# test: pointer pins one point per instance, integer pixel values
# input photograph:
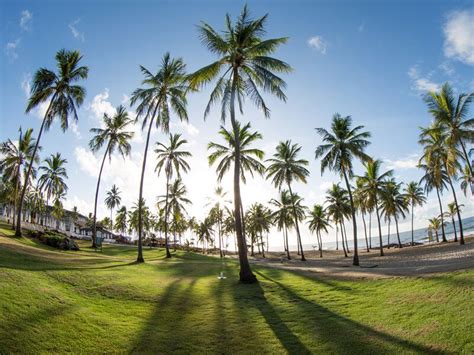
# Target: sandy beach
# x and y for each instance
(407, 261)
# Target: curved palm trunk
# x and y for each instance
(398, 234)
(168, 254)
(442, 218)
(345, 237)
(140, 194)
(454, 227)
(461, 232)
(246, 275)
(15, 204)
(28, 173)
(380, 227)
(466, 157)
(287, 246)
(412, 229)
(296, 224)
(94, 221)
(342, 240)
(355, 260)
(365, 233)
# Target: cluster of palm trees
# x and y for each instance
(244, 68)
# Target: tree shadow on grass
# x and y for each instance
(338, 333)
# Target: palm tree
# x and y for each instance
(112, 200)
(133, 218)
(362, 204)
(243, 68)
(164, 91)
(414, 196)
(115, 137)
(121, 220)
(64, 98)
(465, 179)
(451, 114)
(434, 225)
(218, 201)
(204, 232)
(285, 168)
(175, 198)
(452, 211)
(13, 162)
(258, 218)
(339, 148)
(393, 204)
(372, 184)
(318, 222)
(442, 155)
(338, 207)
(51, 182)
(282, 216)
(172, 159)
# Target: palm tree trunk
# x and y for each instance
(342, 240)
(111, 221)
(441, 215)
(398, 234)
(466, 157)
(168, 254)
(412, 229)
(337, 242)
(220, 240)
(380, 228)
(320, 242)
(388, 235)
(296, 224)
(365, 233)
(345, 237)
(370, 230)
(287, 246)
(94, 220)
(454, 227)
(263, 246)
(461, 232)
(17, 187)
(30, 166)
(355, 260)
(246, 275)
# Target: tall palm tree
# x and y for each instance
(121, 224)
(373, 182)
(338, 207)
(52, 180)
(64, 98)
(258, 219)
(172, 159)
(204, 232)
(285, 168)
(114, 136)
(465, 179)
(393, 204)
(113, 200)
(452, 211)
(164, 91)
(451, 113)
(13, 162)
(440, 153)
(435, 224)
(244, 67)
(218, 201)
(362, 204)
(339, 148)
(133, 219)
(282, 216)
(414, 196)
(318, 222)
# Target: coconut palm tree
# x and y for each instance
(13, 162)
(113, 200)
(114, 136)
(452, 114)
(282, 216)
(362, 204)
(64, 97)
(318, 222)
(204, 233)
(285, 168)
(452, 211)
(338, 208)
(393, 204)
(339, 148)
(258, 219)
(244, 67)
(163, 92)
(435, 224)
(133, 218)
(121, 224)
(414, 196)
(465, 179)
(52, 180)
(372, 184)
(175, 199)
(171, 159)
(442, 155)
(218, 201)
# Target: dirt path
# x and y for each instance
(408, 261)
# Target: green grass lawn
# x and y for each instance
(52, 301)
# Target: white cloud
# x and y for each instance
(75, 32)
(447, 68)
(125, 99)
(408, 162)
(11, 47)
(100, 105)
(84, 207)
(189, 128)
(41, 110)
(25, 20)
(459, 36)
(75, 129)
(25, 84)
(318, 43)
(421, 84)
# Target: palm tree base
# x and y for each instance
(140, 259)
(248, 278)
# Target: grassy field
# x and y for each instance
(52, 301)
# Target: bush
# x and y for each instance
(55, 240)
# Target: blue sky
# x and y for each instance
(368, 59)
